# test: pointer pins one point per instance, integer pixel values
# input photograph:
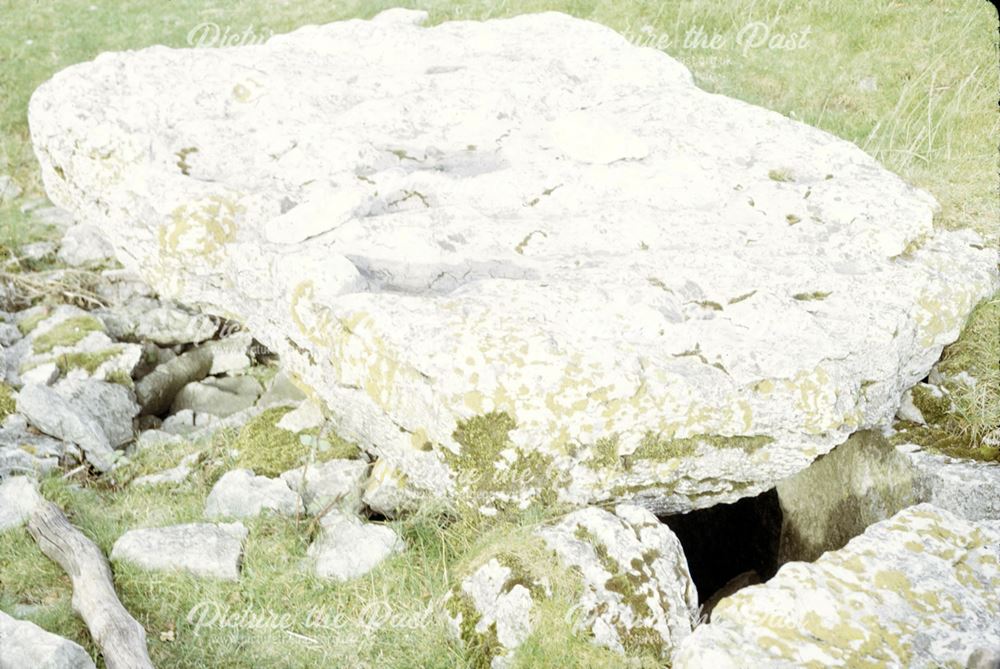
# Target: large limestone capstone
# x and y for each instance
(643, 290)
(916, 590)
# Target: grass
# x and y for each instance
(926, 110)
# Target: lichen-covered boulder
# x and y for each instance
(631, 589)
(916, 590)
(653, 292)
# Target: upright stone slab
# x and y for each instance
(916, 590)
(647, 291)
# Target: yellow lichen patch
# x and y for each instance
(200, 227)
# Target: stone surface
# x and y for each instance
(25, 645)
(341, 482)
(916, 590)
(94, 415)
(529, 217)
(968, 488)
(240, 494)
(85, 245)
(18, 497)
(201, 549)
(348, 547)
(156, 391)
(861, 482)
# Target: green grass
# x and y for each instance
(931, 118)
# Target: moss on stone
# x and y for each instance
(270, 450)
(811, 297)
(67, 333)
(89, 362)
(121, 377)
(8, 404)
(487, 476)
(26, 325)
(933, 407)
(605, 453)
(780, 175)
(656, 447)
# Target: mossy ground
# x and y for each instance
(966, 421)
(270, 450)
(931, 117)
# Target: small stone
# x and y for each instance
(347, 547)
(95, 415)
(281, 391)
(201, 549)
(174, 475)
(868, 85)
(25, 645)
(157, 389)
(9, 190)
(8, 334)
(187, 422)
(84, 245)
(386, 492)
(156, 438)
(306, 416)
(18, 498)
(231, 354)
(44, 374)
(908, 411)
(219, 397)
(320, 484)
(968, 488)
(240, 494)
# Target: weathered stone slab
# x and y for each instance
(969, 488)
(201, 549)
(240, 494)
(668, 296)
(18, 497)
(916, 590)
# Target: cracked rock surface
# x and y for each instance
(675, 298)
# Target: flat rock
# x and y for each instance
(18, 497)
(240, 494)
(674, 297)
(348, 547)
(24, 644)
(169, 325)
(201, 549)
(339, 482)
(916, 590)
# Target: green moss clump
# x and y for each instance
(605, 453)
(655, 447)
(71, 331)
(780, 176)
(8, 404)
(487, 476)
(26, 325)
(933, 407)
(270, 450)
(809, 297)
(121, 377)
(88, 362)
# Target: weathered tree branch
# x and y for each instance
(120, 637)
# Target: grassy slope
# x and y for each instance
(931, 118)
